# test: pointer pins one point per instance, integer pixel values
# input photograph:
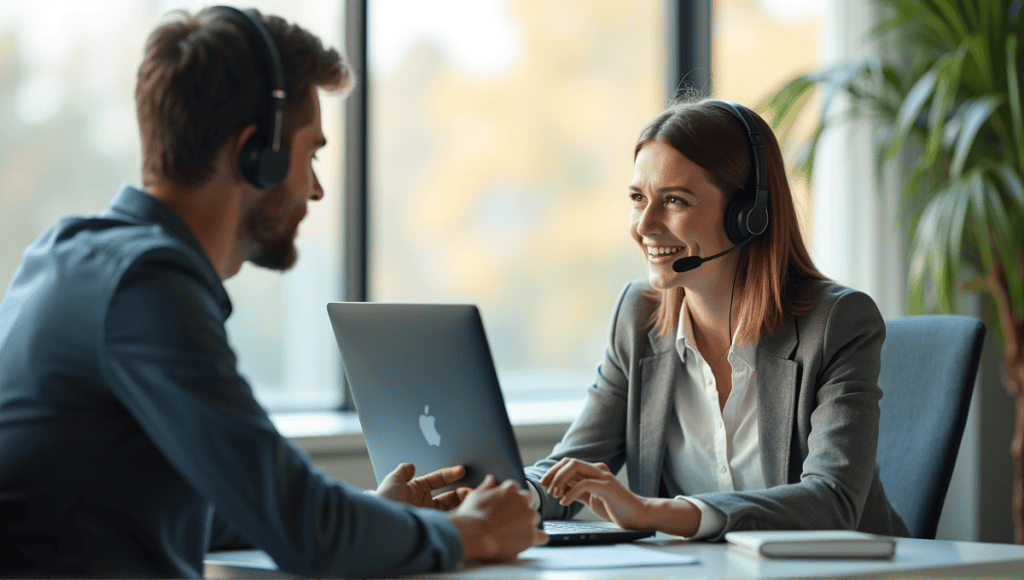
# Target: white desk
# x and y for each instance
(923, 558)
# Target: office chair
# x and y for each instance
(929, 364)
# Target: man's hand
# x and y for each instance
(399, 485)
(496, 522)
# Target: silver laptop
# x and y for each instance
(424, 385)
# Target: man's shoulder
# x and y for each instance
(80, 261)
(108, 244)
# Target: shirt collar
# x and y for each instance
(143, 207)
(743, 352)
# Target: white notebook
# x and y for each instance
(811, 544)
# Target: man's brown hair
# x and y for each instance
(201, 82)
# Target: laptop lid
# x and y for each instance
(425, 388)
(427, 393)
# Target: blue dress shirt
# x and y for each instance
(125, 425)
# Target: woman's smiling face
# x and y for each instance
(677, 212)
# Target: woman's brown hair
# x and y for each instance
(200, 82)
(776, 265)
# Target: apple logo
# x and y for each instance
(429, 431)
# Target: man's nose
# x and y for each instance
(318, 191)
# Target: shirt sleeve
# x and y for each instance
(534, 494)
(168, 360)
(711, 520)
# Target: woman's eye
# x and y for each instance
(677, 200)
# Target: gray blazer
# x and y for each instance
(817, 417)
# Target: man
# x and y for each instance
(125, 428)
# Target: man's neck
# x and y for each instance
(213, 211)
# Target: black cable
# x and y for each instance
(732, 291)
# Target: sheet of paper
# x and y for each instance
(609, 556)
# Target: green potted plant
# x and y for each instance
(945, 91)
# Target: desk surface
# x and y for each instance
(929, 558)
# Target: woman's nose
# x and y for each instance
(650, 222)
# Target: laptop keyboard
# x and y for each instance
(563, 526)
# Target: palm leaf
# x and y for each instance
(911, 109)
(1007, 195)
(930, 253)
(928, 20)
(981, 226)
(974, 116)
(956, 21)
(1012, 183)
(947, 83)
(978, 75)
(1013, 95)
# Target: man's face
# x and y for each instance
(270, 227)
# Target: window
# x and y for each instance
(501, 139)
(70, 139)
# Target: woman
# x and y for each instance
(741, 392)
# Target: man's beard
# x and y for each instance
(269, 233)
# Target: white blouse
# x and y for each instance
(709, 448)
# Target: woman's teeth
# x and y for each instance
(663, 250)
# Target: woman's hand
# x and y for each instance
(399, 485)
(596, 486)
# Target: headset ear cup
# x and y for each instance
(735, 219)
(261, 166)
(273, 167)
(249, 160)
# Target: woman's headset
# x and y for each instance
(746, 215)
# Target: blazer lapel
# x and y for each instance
(776, 380)
(659, 373)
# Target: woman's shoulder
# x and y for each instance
(634, 311)
(836, 303)
(826, 294)
(638, 298)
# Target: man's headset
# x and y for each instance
(746, 216)
(263, 162)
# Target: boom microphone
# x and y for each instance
(690, 262)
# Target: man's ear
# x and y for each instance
(235, 145)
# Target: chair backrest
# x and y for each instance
(929, 364)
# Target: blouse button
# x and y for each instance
(721, 469)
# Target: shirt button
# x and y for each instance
(721, 469)
(719, 424)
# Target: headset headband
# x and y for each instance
(756, 220)
(259, 36)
